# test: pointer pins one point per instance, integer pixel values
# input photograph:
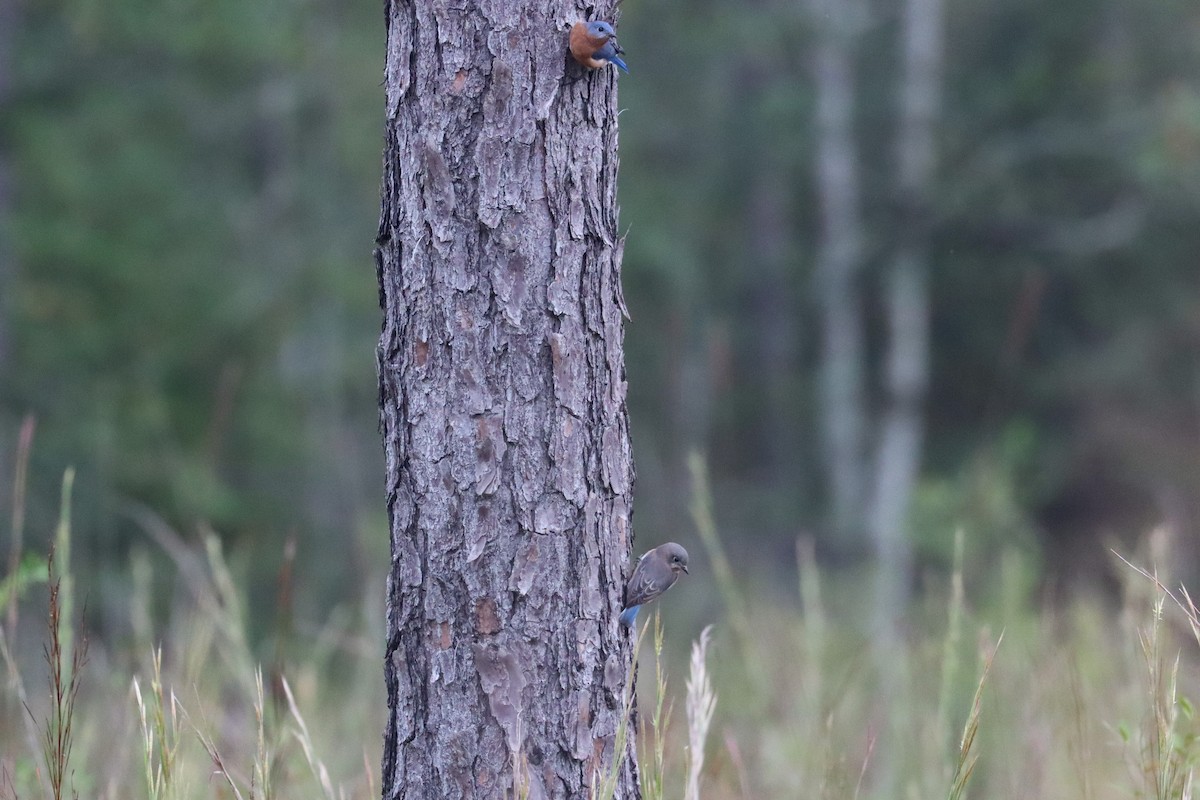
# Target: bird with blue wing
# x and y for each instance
(656, 571)
(594, 44)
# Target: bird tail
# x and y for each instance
(628, 616)
(620, 62)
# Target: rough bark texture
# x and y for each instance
(502, 402)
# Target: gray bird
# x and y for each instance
(656, 571)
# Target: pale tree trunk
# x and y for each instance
(502, 404)
(906, 367)
(906, 295)
(9, 19)
(839, 264)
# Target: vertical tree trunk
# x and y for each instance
(906, 367)
(9, 19)
(839, 264)
(906, 296)
(502, 405)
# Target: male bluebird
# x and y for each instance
(656, 571)
(594, 44)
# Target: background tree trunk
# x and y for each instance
(906, 296)
(839, 264)
(9, 19)
(502, 404)
(906, 360)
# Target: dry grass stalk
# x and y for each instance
(701, 703)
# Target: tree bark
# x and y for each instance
(502, 407)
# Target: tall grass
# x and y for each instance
(185, 711)
(701, 705)
(1167, 748)
(968, 756)
(161, 733)
(193, 711)
(65, 668)
(653, 750)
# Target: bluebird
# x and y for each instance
(656, 571)
(594, 44)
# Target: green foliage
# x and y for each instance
(986, 504)
(31, 571)
(193, 309)
(1062, 285)
(193, 314)
(194, 185)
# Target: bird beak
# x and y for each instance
(685, 569)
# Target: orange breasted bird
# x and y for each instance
(594, 44)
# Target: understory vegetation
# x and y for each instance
(1083, 699)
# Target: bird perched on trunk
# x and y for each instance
(656, 571)
(594, 44)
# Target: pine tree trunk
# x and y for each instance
(502, 405)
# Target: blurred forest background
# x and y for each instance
(188, 311)
(892, 276)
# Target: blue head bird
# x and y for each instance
(594, 44)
